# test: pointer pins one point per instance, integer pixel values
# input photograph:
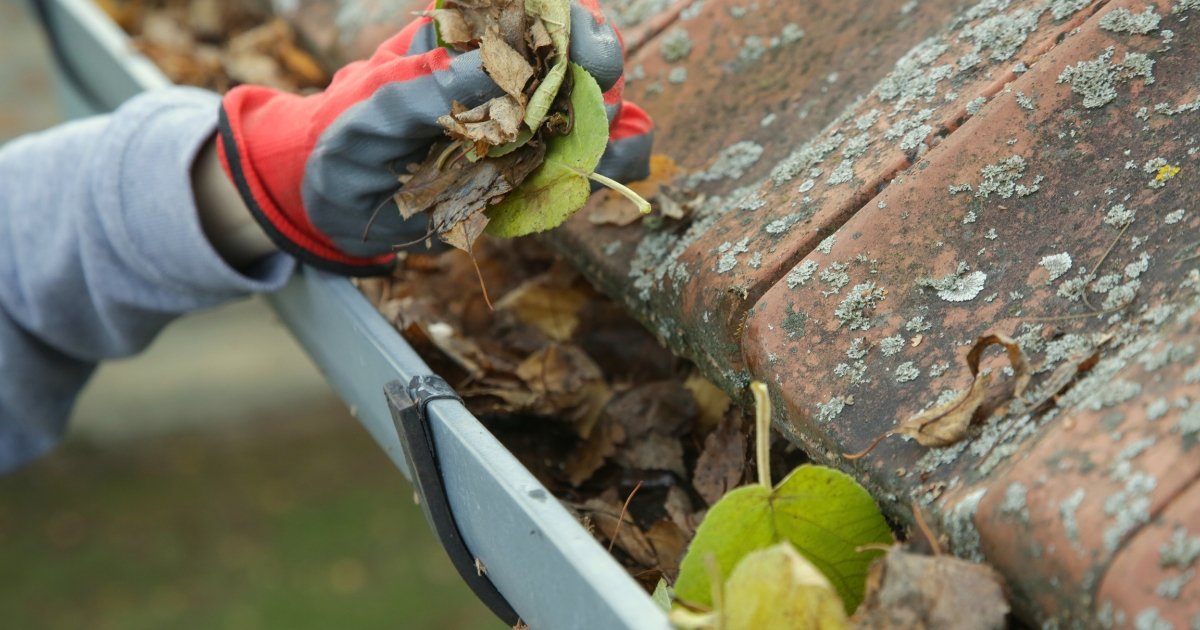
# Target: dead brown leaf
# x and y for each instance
(593, 453)
(632, 540)
(722, 463)
(507, 67)
(569, 385)
(653, 451)
(551, 308)
(669, 542)
(453, 28)
(493, 123)
(947, 424)
(906, 590)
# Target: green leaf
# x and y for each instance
(824, 513)
(778, 589)
(662, 595)
(560, 185)
(556, 15)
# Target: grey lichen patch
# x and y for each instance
(827, 411)
(912, 78)
(791, 34)
(1150, 619)
(677, 75)
(1003, 34)
(1025, 101)
(858, 348)
(805, 158)
(891, 345)
(732, 163)
(1129, 508)
(676, 45)
(1157, 408)
(842, 173)
(1180, 551)
(1174, 216)
(853, 310)
(1067, 510)
(1122, 20)
(784, 223)
(906, 372)
(855, 372)
(1171, 587)
(1063, 9)
(826, 244)
(917, 324)
(836, 277)
(1097, 80)
(960, 527)
(1188, 426)
(976, 104)
(729, 252)
(961, 286)
(801, 274)
(753, 48)
(1056, 265)
(1002, 178)
(1015, 502)
(1186, 5)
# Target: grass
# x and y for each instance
(306, 525)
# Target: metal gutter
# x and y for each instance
(551, 570)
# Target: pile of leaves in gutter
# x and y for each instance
(217, 44)
(610, 421)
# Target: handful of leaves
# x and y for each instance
(521, 162)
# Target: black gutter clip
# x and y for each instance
(408, 405)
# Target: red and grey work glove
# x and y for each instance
(314, 169)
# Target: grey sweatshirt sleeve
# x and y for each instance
(101, 247)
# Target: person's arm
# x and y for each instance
(102, 245)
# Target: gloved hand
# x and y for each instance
(314, 169)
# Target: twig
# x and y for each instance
(870, 447)
(1096, 269)
(1108, 311)
(621, 517)
(919, 519)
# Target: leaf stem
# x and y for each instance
(643, 206)
(762, 431)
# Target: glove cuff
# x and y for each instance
(273, 197)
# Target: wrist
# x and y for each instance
(233, 233)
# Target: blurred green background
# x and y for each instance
(215, 481)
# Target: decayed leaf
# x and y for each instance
(554, 310)
(906, 590)
(569, 383)
(507, 67)
(629, 537)
(722, 462)
(824, 513)
(560, 185)
(653, 451)
(453, 28)
(556, 16)
(948, 423)
(493, 123)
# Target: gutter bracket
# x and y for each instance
(409, 407)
